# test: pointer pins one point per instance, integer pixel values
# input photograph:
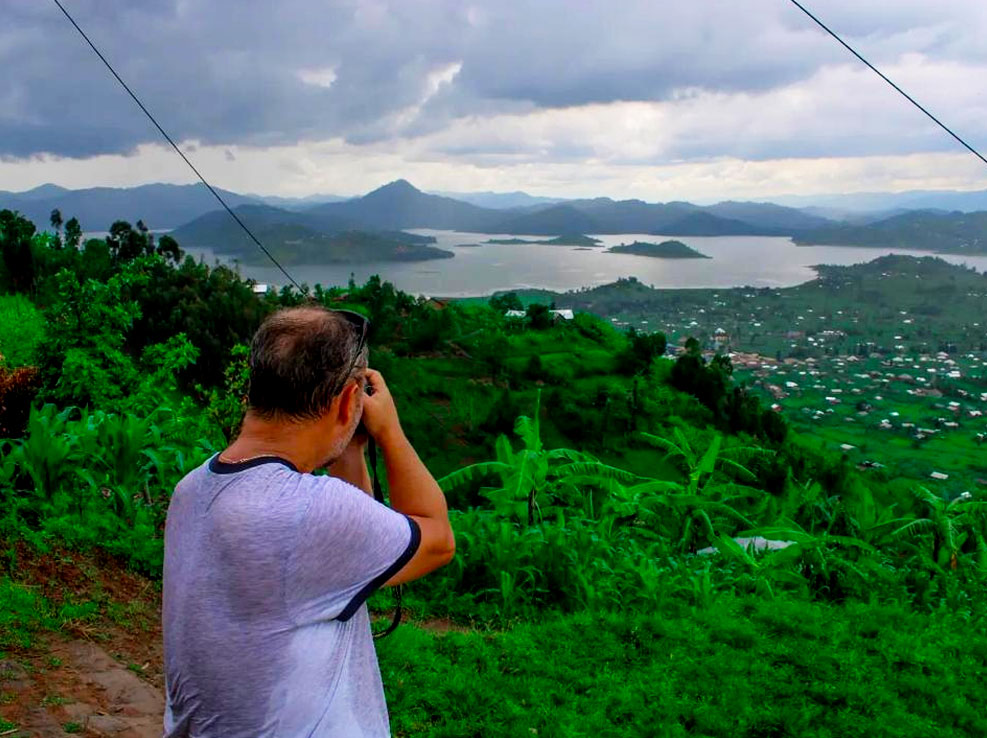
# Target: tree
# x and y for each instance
(704, 501)
(506, 301)
(539, 316)
(169, 249)
(73, 233)
(126, 243)
(947, 524)
(82, 361)
(147, 236)
(642, 350)
(56, 223)
(17, 251)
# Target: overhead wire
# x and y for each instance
(377, 491)
(181, 153)
(880, 74)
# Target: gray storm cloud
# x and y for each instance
(252, 72)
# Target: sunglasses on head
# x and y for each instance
(361, 324)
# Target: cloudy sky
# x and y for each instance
(660, 100)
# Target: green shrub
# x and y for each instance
(21, 330)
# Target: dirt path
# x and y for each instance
(101, 676)
(77, 688)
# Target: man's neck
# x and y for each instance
(301, 443)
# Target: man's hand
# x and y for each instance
(380, 416)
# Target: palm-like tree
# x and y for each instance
(705, 501)
(534, 471)
(700, 466)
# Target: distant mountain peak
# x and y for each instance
(42, 191)
(398, 186)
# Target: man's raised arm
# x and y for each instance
(413, 489)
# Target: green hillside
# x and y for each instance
(947, 233)
(898, 345)
(300, 238)
(596, 484)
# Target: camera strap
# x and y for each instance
(379, 496)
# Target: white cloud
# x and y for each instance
(321, 77)
(641, 99)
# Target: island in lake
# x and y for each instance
(557, 241)
(292, 245)
(298, 238)
(663, 250)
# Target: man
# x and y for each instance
(268, 567)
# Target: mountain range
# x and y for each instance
(400, 205)
(160, 206)
(874, 205)
(395, 207)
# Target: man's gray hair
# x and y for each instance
(298, 359)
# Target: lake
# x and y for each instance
(737, 261)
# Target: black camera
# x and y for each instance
(369, 389)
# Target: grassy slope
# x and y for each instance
(735, 668)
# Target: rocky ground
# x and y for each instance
(97, 674)
(78, 687)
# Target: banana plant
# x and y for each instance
(766, 572)
(824, 559)
(868, 520)
(946, 524)
(698, 506)
(714, 458)
(533, 471)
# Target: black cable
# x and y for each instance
(882, 76)
(378, 492)
(175, 146)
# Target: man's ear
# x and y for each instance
(349, 403)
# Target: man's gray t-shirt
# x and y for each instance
(266, 574)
